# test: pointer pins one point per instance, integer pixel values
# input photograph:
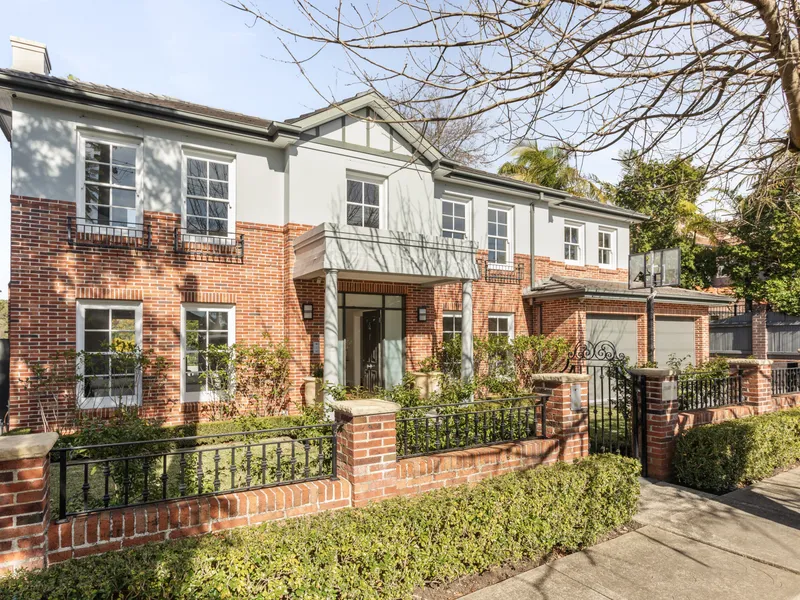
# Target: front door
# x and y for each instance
(371, 350)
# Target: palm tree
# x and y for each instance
(550, 167)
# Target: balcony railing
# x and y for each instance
(82, 232)
(198, 244)
(511, 273)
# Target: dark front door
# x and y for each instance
(371, 350)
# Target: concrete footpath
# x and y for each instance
(692, 545)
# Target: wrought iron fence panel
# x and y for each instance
(699, 391)
(785, 381)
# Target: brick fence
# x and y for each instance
(368, 471)
(665, 420)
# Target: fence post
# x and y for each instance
(567, 411)
(756, 383)
(758, 332)
(661, 413)
(24, 500)
(366, 449)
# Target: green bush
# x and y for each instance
(724, 456)
(385, 550)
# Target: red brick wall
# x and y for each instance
(545, 267)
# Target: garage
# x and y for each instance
(674, 336)
(620, 330)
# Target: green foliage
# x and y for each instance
(385, 550)
(669, 193)
(3, 319)
(723, 456)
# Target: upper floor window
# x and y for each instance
(451, 325)
(363, 203)
(110, 182)
(573, 242)
(454, 219)
(209, 197)
(499, 235)
(606, 254)
(203, 327)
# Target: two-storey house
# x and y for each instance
(342, 231)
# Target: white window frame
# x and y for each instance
(450, 314)
(509, 210)
(107, 401)
(581, 242)
(203, 396)
(467, 204)
(612, 236)
(509, 317)
(117, 139)
(200, 153)
(375, 180)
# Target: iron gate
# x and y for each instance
(616, 400)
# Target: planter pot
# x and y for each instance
(427, 383)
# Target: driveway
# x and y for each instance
(692, 545)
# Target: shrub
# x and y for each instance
(723, 456)
(385, 550)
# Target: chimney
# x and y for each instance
(29, 56)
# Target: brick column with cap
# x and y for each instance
(367, 451)
(24, 500)
(756, 383)
(567, 411)
(662, 419)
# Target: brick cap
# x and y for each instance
(33, 445)
(561, 377)
(749, 362)
(363, 408)
(652, 372)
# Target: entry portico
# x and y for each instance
(371, 328)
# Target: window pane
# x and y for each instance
(354, 191)
(371, 217)
(98, 151)
(96, 318)
(371, 194)
(354, 215)
(123, 176)
(218, 171)
(218, 189)
(96, 364)
(196, 225)
(95, 341)
(218, 338)
(123, 319)
(364, 300)
(217, 227)
(447, 222)
(96, 194)
(124, 198)
(98, 172)
(447, 208)
(196, 187)
(460, 224)
(197, 168)
(218, 319)
(218, 210)
(502, 231)
(492, 228)
(197, 207)
(460, 210)
(394, 302)
(124, 156)
(126, 337)
(97, 387)
(123, 217)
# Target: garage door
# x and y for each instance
(674, 335)
(618, 329)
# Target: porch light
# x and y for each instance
(308, 312)
(422, 314)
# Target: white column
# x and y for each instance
(330, 369)
(467, 365)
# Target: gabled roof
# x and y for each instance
(560, 286)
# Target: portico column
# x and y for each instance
(330, 369)
(467, 365)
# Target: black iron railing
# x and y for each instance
(511, 273)
(785, 381)
(100, 477)
(198, 244)
(429, 429)
(700, 391)
(113, 234)
(737, 309)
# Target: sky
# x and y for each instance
(198, 50)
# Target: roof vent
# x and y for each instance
(29, 56)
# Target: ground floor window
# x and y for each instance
(451, 325)
(202, 328)
(108, 333)
(501, 325)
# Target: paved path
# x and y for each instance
(695, 546)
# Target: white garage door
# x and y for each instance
(674, 335)
(618, 329)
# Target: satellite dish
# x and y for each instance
(658, 268)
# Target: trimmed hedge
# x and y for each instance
(721, 457)
(382, 551)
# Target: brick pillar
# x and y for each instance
(24, 500)
(568, 423)
(662, 420)
(366, 451)
(756, 383)
(758, 332)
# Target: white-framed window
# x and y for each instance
(209, 194)
(451, 324)
(364, 203)
(573, 243)
(202, 326)
(500, 242)
(109, 180)
(107, 334)
(607, 248)
(501, 325)
(455, 219)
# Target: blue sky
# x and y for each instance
(198, 50)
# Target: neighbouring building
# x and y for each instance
(341, 231)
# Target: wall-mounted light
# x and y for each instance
(422, 314)
(308, 312)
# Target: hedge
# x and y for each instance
(384, 550)
(721, 457)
